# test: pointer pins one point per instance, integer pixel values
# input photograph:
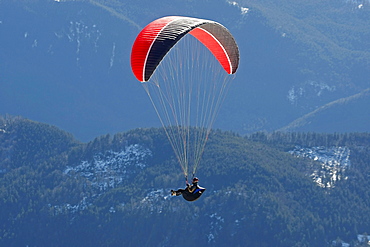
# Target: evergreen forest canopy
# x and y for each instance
(114, 190)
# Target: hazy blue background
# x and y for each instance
(304, 64)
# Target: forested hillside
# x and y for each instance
(114, 190)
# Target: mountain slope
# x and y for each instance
(67, 62)
(113, 190)
(338, 115)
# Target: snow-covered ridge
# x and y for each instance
(333, 161)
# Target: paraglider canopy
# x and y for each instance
(158, 37)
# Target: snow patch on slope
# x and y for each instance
(332, 163)
(215, 227)
(105, 171)
(358, 4)
(154, 200)
(110, 169)
(81, 35)
(309, 89)
(243, 10)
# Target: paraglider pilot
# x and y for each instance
(191, 192)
